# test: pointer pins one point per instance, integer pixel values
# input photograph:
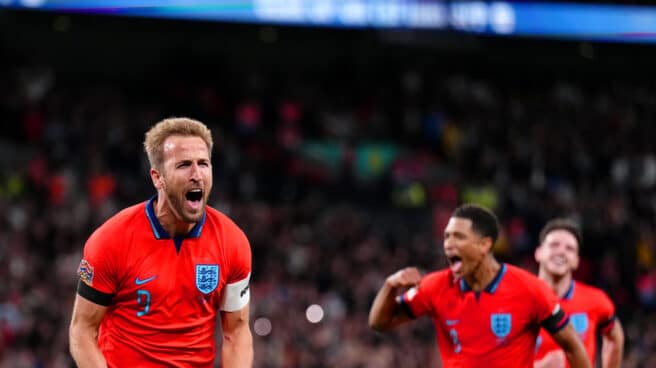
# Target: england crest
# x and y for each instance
(501, 324)
(579, 321)
(207, 278)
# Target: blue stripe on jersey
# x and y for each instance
(158, 229)
(497, 279)
(195, 231)
(492, 287)
(570, 292)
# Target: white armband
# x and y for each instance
(236, 295)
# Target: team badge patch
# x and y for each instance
(501, 323)
(86, 272)
(579, 322)
(207, 278)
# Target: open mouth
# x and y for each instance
(454, 259)
(194, 197)
(455, 263)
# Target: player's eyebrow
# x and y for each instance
(189, 161)
(456, 233)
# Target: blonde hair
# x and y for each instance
(155, 137)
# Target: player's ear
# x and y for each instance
(487, 244)
(156, 177)
(577, 260)
(537, 252)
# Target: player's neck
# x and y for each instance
(559, 284)
(484, 274)
(168, 219)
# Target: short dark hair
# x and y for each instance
(484, 221)
(562, 223)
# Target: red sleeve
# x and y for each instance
(546, 307)
(239, 254)
(606, 312)
(417, 300)
(236, 293)
(99, 266)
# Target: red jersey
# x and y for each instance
(590, 310)
(163, 293)
(496, 328)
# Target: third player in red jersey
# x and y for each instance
(591, 311)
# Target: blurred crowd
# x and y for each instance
(338, 180)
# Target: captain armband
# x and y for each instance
(236, 295)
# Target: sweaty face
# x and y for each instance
(463, 247)
(559, 252)
(187, 176)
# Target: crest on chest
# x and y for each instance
(207, 277)
(501, 324)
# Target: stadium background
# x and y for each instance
(340, 152)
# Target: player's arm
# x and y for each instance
(83, 333)
(386, 311)
(237, 351)
(553, 359)
(612, 346)
(569, 341)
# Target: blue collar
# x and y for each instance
(570, 292)
(492, 287)
(159, 231)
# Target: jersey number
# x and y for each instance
(143, 298)
(456, 342)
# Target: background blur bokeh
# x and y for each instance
(341, 153)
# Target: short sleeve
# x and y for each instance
(237, 293)
(97, 269)
(547, 310)
(416, 301)
(606, 312)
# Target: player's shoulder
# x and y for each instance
(588, 291)
(438, 279)
(216, 215)
(522, 278)
(122, 221)
(117, 226)
(219, 218)
(221, 222)
(587, 288)
(514, 271)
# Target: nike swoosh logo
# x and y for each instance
(141, 282)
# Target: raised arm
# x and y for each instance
(386, 312)
(83, 333)
(573, 347)
(237, 351)
(612, 346)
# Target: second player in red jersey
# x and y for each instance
(591, 311)
(485, 313)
